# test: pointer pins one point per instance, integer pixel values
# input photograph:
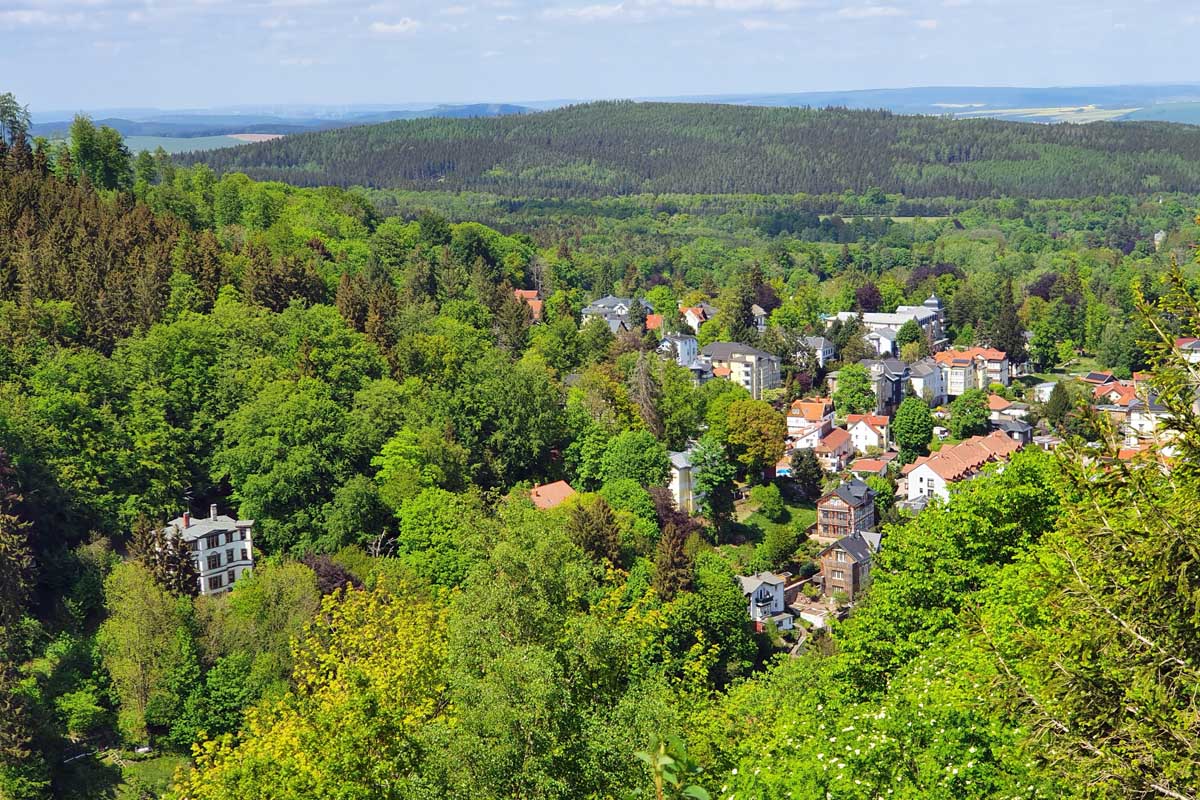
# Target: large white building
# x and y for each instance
(680, 482)
(746, 366)
(221, 546)
(929, 315)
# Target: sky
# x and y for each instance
(88, 54)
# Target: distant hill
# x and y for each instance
(195, 125)
(624, 147)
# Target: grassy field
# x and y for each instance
(174, 144)
(91, 778)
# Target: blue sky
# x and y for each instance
(68, 54)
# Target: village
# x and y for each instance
(856, 448)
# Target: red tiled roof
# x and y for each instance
(526, 294)
(958, 461)
(872, 465)
(811, 410)
(1118, 394)
(997, 403)
(838, 437)
(875, 422)
(696, 311)
(721, 372)
(653, 322)
(549, 495)
(986, 353)
(530, 296)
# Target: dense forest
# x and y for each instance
(606, 149)
(351, 369)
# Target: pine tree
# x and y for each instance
(672, 566)
(645, 392)
(166, 557)
(1008, 334)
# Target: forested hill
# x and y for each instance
(625, 147)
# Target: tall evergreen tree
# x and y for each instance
(1008, 334)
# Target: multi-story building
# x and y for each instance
(809, 421)
(975, 368)
(749, 367)
(823, 348)
(928, 381)
(869, 431)
(931, 476)
(614, 311)
(221, 546)
(930, 315)
(846, 564)
(848, 509)
(680, 481)
(764, 593)
(682, 348)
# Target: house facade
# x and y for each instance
(765, 600)
(846, 565)
(221, 546)
(808, 421)
(749, 367)
(683, 348)
(850, 508)
(930, 315)
(835, 450)
(889, 376)
(931, 476)
(825, 352)
(680, 481)
(974, 368)
(928, 381)
(869, 431)
(614, 311)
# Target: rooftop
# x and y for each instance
(550, 495)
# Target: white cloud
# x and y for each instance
(927, 24)
(507, 18)
(763, 25)
(871, 12)
(400, 27)
(30, 16)
(454, 11)
(591, 13)
(491, 54)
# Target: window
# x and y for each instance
(214, 561)
(232, 577)
(229, 556)
(838, 575)
(841, 555)
(243, 554)
(215, 582)
(241, 534)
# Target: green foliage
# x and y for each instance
(912, 429)
(637, 456)
(969, 414)
(755, 435)
(769, 501)
(855, 391)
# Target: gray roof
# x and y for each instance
(199, 528)
(1014, 426)
(725, 351)
(855, 492)
(751, 583)
(609, 302)
(681, 460)
(923, 368)
(855, 545)
(818, 343)
(893, 367)
(883, 333)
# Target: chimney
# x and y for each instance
(187, 520)
(212, 511)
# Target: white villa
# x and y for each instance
(221, 546)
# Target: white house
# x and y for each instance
(808, 421)
(749, 367)
(928, 381)
(883, 342)
(221, 546)
(929, 315)
(680, 483)
(823, 348)
(931, 476)
(684, 348)
(764, 594)
(974, 368)
(867, 431)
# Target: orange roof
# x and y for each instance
(1130, 453)
(549, 495)
(1119, 394)
(526, 294)
(868, 465)
(721, 372)
(838, 437)
(1138, 377)
(961, 460)
(696, 311)
(971, 353)
(811, 410)
(530, 296)
(653, 322)
(878, 420)
(997, 403)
